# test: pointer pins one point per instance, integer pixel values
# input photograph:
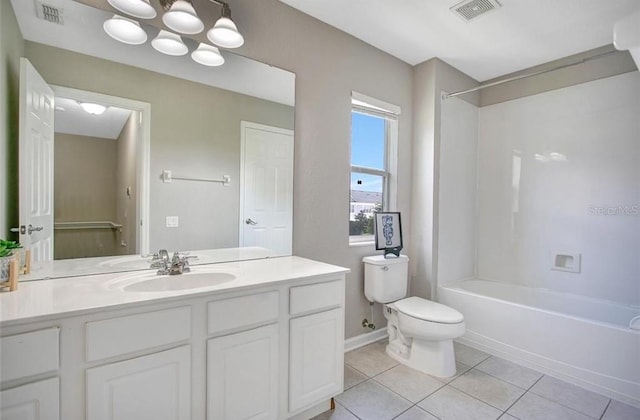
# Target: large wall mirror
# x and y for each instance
(185, 157)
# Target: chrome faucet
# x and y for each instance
(179, 264)
(160, 260)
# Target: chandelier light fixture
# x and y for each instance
(179, 16)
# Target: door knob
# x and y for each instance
(32, 229)
(250, 222)
(21, 230)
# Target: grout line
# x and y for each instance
(523, 394)
(571, 408)
(606, 408)
(354, 414)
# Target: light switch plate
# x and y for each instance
(173, 221)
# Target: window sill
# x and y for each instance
(364, 240)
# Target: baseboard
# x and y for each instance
(364, 339)
(605, 385)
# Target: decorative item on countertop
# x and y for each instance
(388, 232)
(9, 264)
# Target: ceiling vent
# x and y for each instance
(471, 9)
(49, 13)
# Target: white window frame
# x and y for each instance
(371, 106)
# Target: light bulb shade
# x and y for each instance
(136, 8)
(125, 30)
(93, 109)
(182, 18)
(207, 55)
(169, 43)
(225, 34)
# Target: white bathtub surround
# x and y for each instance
(272, 326)
(583, 341)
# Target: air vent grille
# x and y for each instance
(471, 9)
(49, 13)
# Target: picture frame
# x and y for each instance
(388, 232)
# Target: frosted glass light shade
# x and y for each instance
(207, 55)
(93, 109)
(182, 18)
(136, 8)
(125, 30)
(225, 34)
(169, 43)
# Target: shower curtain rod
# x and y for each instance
(524, 76)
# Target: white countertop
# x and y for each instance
(41, 299)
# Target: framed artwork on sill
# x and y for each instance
(388, 232)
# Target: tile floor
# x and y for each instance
(485, 387)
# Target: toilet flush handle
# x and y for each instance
(385, 268)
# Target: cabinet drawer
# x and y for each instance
(30, 353)
(118, 336)
(243, 311)
(316, 296)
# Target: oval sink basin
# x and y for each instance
(130, 262)
(151, 282)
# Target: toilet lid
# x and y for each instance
(427, 310)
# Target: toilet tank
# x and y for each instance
(385, 279)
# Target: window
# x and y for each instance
(374, 135)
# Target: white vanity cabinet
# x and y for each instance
(263, 351)
(25, 357)
(316, 343)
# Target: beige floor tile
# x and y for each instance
(621, 411)
(571, 396)
(416, 413)
(467, 355)
(509, 372)
(352, 377)
(488, 389)
(409, 383)
(370, 400)
(370, 360)
(461, 369)
(450, 404)
(340, 413)
(534, 407)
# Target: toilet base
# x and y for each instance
(435, 358)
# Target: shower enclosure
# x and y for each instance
(539, 229)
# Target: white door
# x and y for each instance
(34, 401)
(242, 375)
(266, 181)
(316, 356)
(36, 163)
(153, 387)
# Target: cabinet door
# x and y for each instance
(242, 375)
(35, 401)
(316, 358)
(153, 387)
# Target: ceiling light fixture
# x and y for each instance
(93, 109)
(136, 8)
(207, 55)
(180, 16)
(125, 30)
(169, 43)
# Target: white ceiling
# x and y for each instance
(521, 34)
(70, 118)
(82, 32)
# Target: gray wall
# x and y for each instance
(195, 132)
(126, 192)
(85, 190)
(11, 49)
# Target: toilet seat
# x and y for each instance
(427, 310)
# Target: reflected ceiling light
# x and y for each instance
(182, 18)
(125, 30)
(93, 109)
(169, 43)
(207, 55)
(225, 33)
(136, 8)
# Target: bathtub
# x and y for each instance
(584, 341)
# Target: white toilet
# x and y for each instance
(421, 332)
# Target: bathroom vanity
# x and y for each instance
(259, 339)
